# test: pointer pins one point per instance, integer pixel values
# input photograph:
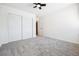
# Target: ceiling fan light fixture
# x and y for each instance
(39, 5)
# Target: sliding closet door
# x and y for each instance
(3, 26)
(14, 27)
(27, 27)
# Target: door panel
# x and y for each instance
(14, 23)
(27, 27)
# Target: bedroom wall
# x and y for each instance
(63, 24)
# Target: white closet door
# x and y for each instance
(27, 27)
(14, 25)
(3, 27)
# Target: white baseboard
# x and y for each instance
(75, 42)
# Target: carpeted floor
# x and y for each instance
(39, 46)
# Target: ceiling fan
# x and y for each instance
(39, 5)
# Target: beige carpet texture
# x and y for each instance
(39, 46)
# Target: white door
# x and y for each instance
(14, 25)
(3, 26)
(27, 27)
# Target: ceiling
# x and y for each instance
(50, 7)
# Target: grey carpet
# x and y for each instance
(39, 46)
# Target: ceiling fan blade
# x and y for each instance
(40, 8)
(34, 6)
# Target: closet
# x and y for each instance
(16, 25)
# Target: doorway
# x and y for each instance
(37, 28)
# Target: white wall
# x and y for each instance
(62, 24)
